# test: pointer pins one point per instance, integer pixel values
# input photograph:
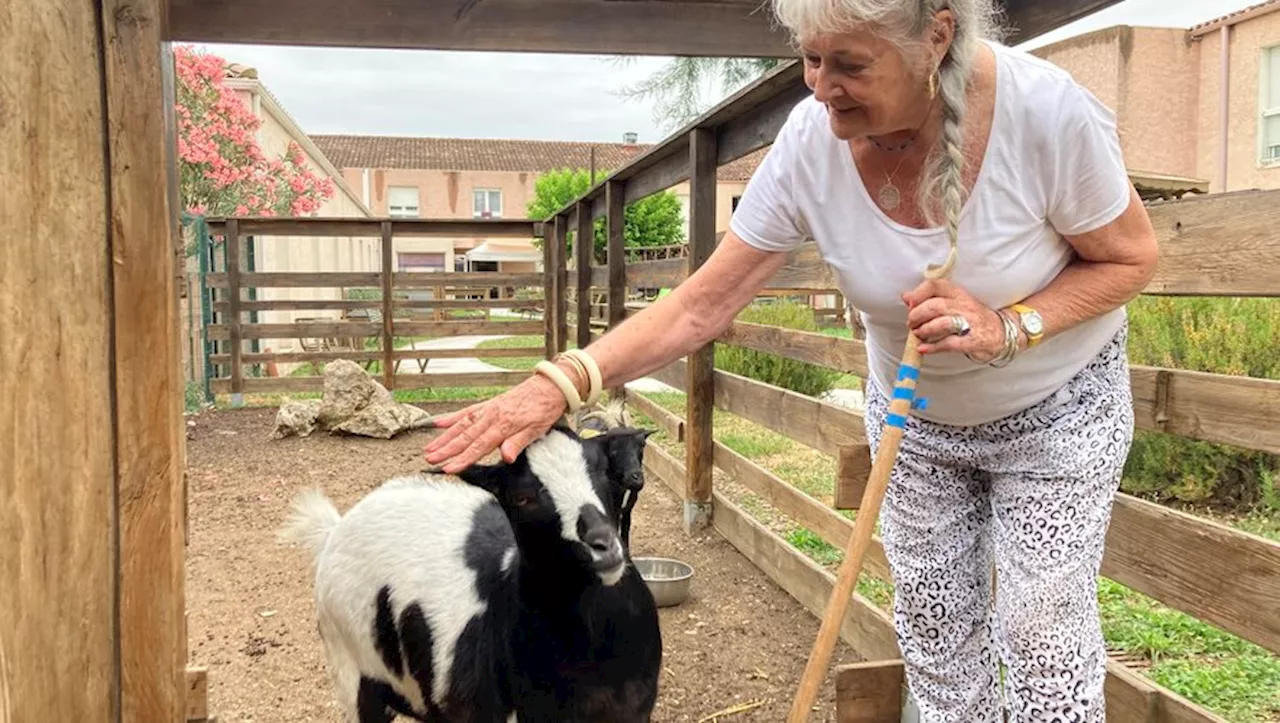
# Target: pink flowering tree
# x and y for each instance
(223, 171)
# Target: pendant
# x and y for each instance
(889, 196)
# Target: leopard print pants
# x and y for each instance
(1031, 492)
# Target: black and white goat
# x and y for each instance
(509, 597)
(626, 458)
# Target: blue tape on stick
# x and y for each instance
(896, 420)
(921, 403)
(906, 371)
(903, 393)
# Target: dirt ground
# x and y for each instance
(739, 639)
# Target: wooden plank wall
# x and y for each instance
(90, 429)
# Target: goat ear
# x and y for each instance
(644, 433)
(487, 477)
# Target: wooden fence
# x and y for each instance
(377, 308)
(1223, 245)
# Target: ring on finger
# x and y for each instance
(960, 325)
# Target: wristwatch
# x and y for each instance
(1031, 323)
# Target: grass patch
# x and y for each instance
(537, 348)
(1230, 676)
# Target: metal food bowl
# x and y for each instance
(667, 579)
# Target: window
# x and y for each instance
(1269, 131)
(486, 203)
(421, 262)
(402, 201)
(733, 203)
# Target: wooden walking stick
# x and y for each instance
(900, 406)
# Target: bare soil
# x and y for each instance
(739, 639)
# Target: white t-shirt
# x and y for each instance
(1053, 166)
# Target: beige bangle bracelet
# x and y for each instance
(595, 382)
(561, 380)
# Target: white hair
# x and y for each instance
(905, 24)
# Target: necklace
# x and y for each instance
(889, 194)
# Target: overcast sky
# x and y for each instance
(530, 96)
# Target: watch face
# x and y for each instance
(1032, 323)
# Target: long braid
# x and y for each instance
(945, 170)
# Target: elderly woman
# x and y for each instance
(922, 126)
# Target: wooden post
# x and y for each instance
(562, 284)
(870, 692)
(388, 311)
(852, 471)
(90, 374)
(700, 372)
(615, 215)
(232, 239)
(585, 252)
(150, 434)
(549, 286)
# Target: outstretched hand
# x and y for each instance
(509, 422)
(935, 303)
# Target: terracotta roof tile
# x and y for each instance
(475, 154)
(1252, 11)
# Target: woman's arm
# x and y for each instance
(696, 312)
(1115, 263)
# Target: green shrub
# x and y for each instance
(797, 376)
(1218, 335)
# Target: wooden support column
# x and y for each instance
(615, 215)
(91, 432)
(700, 372)
(584, 252)
(562, 284)
(549, 286)
(388, 310)
(232, 240)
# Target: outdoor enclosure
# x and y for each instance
(92, 431)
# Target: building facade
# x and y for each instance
(1197, 108)
(450, 178)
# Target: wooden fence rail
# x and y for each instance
(368, 331)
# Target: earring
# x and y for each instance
(933, 84)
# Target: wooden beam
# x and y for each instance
(276, 385)
(671, 27)
(372, 227)
(1030, 18)
(388, 313)
(870, 692)
(854, 468)
(477, 280)
(1212, 572)
(617, 279)
(197, 695)
(375, 355)
(148, 379)
(372, 280)
(549, 288)
(700, 371)
(234, 332)
(58, 559)
(1223, 244)
(561, 272)
(1221, 408)
(584, 252)
(820, 425)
